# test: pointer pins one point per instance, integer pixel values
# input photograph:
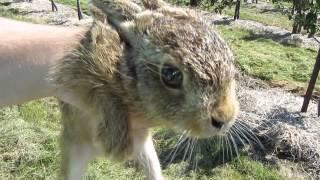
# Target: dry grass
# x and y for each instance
(274, 117)
(29, 149)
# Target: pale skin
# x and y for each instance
(27, 52)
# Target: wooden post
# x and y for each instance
(319, 108)
(311, 85)
(79, 10)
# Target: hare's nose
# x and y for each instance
(215, 123)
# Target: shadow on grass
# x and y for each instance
(208, 154)
(224, 21)
(5, 3)
(268, 11)
(284, 39)
(263, 35)
(287, 117)
(204, 155)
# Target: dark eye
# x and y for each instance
(171, 76)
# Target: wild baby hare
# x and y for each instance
(141, 67)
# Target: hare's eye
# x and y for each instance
(171, 76)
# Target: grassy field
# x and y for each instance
(263, 58)
(13, 14)
(263, 16)
(274, 17)
(72, 3)
(29, 149)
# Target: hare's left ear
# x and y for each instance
(167, 10)
(154, 4)
(97, 14)
(117, 11)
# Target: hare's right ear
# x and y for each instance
(117, 11)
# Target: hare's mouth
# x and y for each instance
(209, 128)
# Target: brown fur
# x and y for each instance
(115, 73)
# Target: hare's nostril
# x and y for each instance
(216, 123)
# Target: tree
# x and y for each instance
(217, 5)
(79, 10)
(304, 15)
(311, 23)
(194, 2)
(55, 8)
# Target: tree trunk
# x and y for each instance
(79, 10)
(237, 10)
(194, 3)
(299, 28)
(256, 1)
(299, 15)
(294, 28)
(312, 31)
(292, 10)
(53, 6)
(311, 85)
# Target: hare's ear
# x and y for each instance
(117, 11)
(97, 14)
(154, 4)
(120, 15)
(167, 10)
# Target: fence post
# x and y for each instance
(311, 85)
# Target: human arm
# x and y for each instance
(27, 51)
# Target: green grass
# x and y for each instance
(29, 149)
(251, 13)
(268, 60)
(83, 4)
(268, 18)
(14, 14)
(28, 141)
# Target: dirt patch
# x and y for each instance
(273, 32)
(41, 9)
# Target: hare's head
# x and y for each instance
(182, 71)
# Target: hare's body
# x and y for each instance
(163, 66)
(96, 118)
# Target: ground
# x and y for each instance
(29, 141)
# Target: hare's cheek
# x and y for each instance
(195, 128)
